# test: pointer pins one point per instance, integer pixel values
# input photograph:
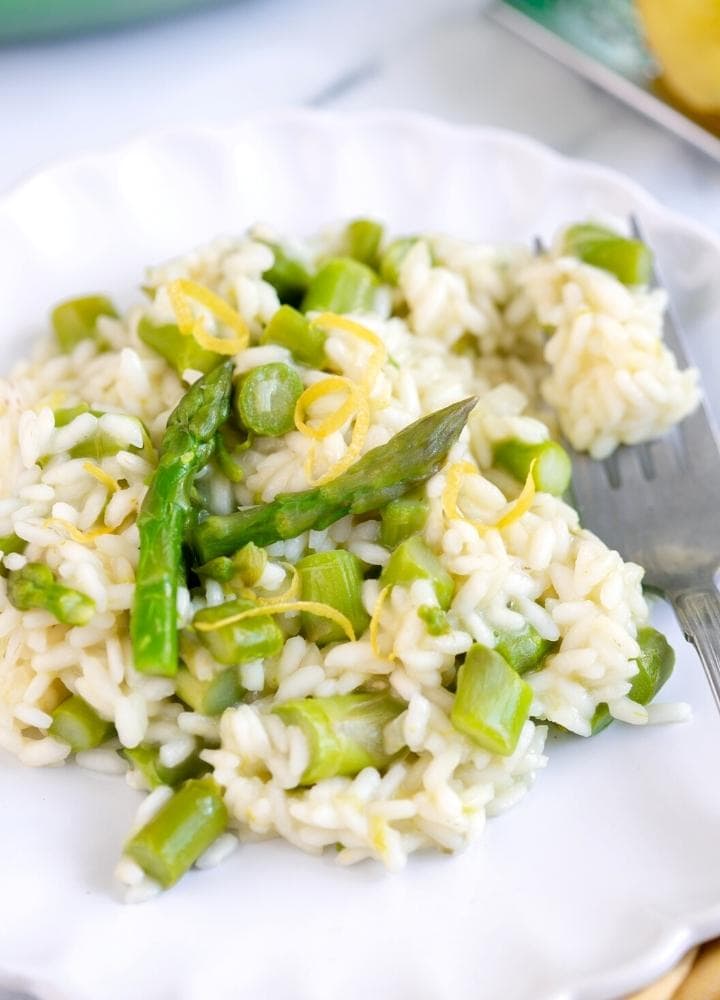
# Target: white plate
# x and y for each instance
(599, 879)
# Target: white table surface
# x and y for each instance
(58, 99)
(440, 56)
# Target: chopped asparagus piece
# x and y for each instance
(102, 445)
(655, 665)
(292, 330)
(146, 759)
(78, 724)
(288, 275)
(363, 238)
(333, 578)
(413, 560)
(552, 469)
(76, 319)
(11, 543)
(343, 285)
(392, 259)
(492, 702)
(66, 415)
(401, 519)
(249, 639)
(264, 399)
(628, 259)
(180, 831)
(35, 586)
(344, 732)
(179, 350)
(210, 697)
(524, 650)
(436, 620)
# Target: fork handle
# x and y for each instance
(699, 615)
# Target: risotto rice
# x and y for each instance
(549, 344)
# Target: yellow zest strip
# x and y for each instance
(375, 625)
(357, 403)
(280, 608)
(181, 307)
(292, 592)
(83, 537)
(180, 291)
(330, 321)
(523, 503)
(455, 475)
(328, 386)
(357, 440)
(453, 483)
(102, 476)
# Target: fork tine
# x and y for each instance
(671, 333)
(695, 441)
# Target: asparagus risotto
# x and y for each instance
(289, 545)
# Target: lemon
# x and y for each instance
(685, 37)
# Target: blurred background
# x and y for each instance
(78, 75)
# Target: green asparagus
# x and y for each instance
(180, 831)
(436, 620)
(76, 319)
(401, 519)
(102, 445)
(552, 469)
(413, 560)
(146, 759)
(78, 724)
(524, 650)
(246, 565)
(35, 586)
(343, 285)
(333, 578)
(209, 697)
(181, 351)
(187, 446)
(492, 702)
(66, 414)
(344, 732)
(292, 330)
(264, 399)
(382, 475)
(629, 260)
(393, 257)
(11, 543)
(655, 664)
(229, 447)
(239, 642)
(362, 239)
(288, 275)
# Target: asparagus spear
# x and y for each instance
(186, 447)
(35, 586)
(383, 474)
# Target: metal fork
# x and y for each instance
(658, 504)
